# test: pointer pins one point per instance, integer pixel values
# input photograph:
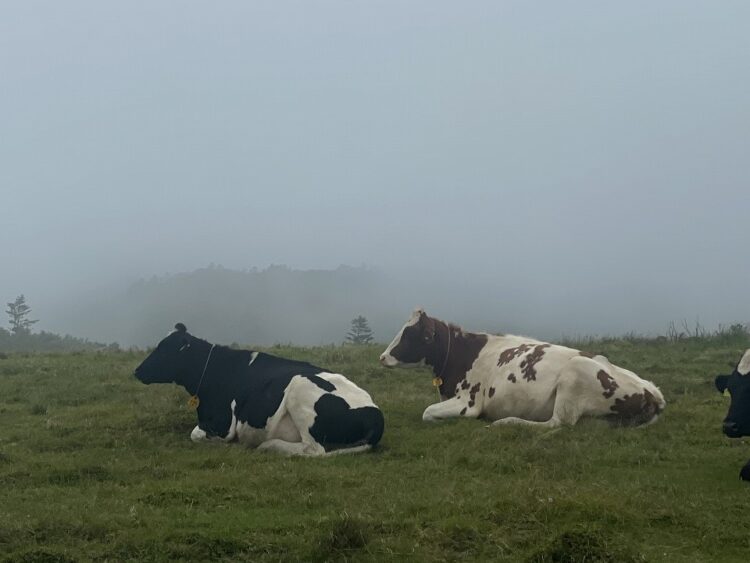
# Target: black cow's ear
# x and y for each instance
(179, 327)
(721, 382)
(745, 472)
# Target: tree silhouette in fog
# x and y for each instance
(18, 312)
(360, 332)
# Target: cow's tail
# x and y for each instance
(352, 450)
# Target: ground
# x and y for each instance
(96, 466)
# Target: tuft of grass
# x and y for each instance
(38, 409)
(585, 545)
(40, 556)
(459, 538)
(75, 476)
(342, 536)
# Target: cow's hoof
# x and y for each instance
(198, 435)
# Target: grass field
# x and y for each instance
(96, 466)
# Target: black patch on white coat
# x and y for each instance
(322, 383)
(338, 426)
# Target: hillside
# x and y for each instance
(274, 305)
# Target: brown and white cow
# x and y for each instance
(518, 380)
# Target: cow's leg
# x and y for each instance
(578, 393)
(551, 423)
(297, 406)
(290, 448)
(200, 435)
(450, 408)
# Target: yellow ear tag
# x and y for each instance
(193, 402)
(437, 382)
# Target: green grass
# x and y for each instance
(96, 466)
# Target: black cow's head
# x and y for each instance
(413, 344)
(737, 421)
(170, 359)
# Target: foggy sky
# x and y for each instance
(586, 163)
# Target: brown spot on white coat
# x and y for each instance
(608, 383)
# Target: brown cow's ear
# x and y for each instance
(429, 330)
(721, 382)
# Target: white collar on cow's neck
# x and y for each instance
(208, 359)
(447, 353)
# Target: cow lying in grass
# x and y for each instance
(517, 380)
(737, 421)
(264, 401)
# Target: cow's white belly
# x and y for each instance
(511, 401)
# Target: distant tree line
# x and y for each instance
(19, 337)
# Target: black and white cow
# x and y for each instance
(264, 401)
(518, 380)
(737, 421)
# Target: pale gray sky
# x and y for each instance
(590, 157)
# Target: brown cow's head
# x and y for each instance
(412, 344)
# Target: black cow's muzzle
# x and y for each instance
(731, 429)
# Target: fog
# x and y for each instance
(551, 168)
